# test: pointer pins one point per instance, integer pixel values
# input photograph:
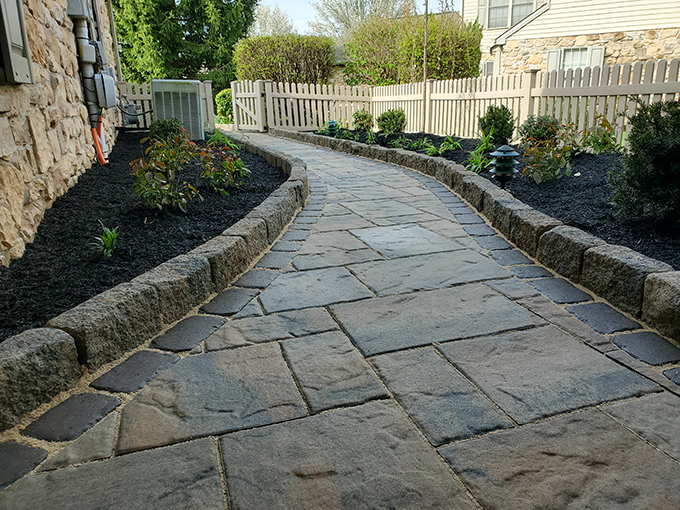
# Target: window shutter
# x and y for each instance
(481, 13)
(553, 61)
(596, 56)
(16, 54)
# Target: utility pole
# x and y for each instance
(422, 125)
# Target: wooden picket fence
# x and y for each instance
(140, 95)
(453, 107)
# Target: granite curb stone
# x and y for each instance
(34, 367)
(118, 320)
(661, 303)
(562, 249)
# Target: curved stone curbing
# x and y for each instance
(644, 287)
(39, 363)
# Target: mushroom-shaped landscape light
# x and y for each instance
(503, 167)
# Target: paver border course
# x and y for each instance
(652, 288)
(38, 364)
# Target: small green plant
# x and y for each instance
(363, 121)
(476, 161)
(226, 172)
(601, 138)
(371, 138)
(344, 134)
(105, 243)
(399, 143)
(219, 139)
(224, 106)
(162, 129)
(547, 160)
(501, 121)
(539, 129)
(392, 121)
(649, 185)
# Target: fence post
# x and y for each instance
(428, 105)
(268, 93)
(260, 111)
(234, 104)
(208, 103)
(528, 86)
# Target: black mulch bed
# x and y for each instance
(580, 201)
(59, 270)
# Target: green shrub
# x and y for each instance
(501, 121)
(386, 51)
(162, 129)
(158, 175)
(224, 106)
(285, 58)
(539, 129)
(363, 121)
(219, 139)
(649, 185)
(392, 121)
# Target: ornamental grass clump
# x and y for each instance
(649, 185)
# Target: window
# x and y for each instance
(507, 13)
(16, 55)
(574, 58)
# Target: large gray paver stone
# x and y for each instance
(441, 402)
(324, 242)
(95, 444)
(188, 333)
(513, 288)
(211, 394)
(509, 257)
(381, 209)
(269, 328)
(133, 373)
(331, 372)
(344, 222)
(424, 272)
(561, 291)
(368, 456)
(409, 320)
(307, 289)
(655, 417)
(34, 367)
(111, 323)
(69, 419)
(585, 460)
(404, 241)
(445, 228)
(541, 372)
(275, 260)
(180, 476)
(333, 258)
(257, 279)
(16, 460)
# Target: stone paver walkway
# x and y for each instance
(391, 351)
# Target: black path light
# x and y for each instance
(504, 166)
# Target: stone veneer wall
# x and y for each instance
(620, 48)
(45, 138)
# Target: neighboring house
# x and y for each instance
(566, 34)
(46, 140)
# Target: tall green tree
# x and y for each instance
(334, 18)
(181, 39)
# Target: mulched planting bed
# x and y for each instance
(60, 269)
(580, 201)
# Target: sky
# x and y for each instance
(302, 12)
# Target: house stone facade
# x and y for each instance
(45, 135)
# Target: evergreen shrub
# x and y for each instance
(500, 121)
(392, 121)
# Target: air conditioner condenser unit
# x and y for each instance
(180, 99)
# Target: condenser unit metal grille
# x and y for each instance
(180, 99)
